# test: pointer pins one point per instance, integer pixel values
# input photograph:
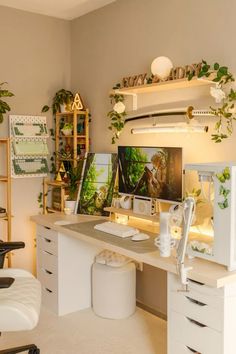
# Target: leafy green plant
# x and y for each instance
(67, 126)
(225, 114)
(61, 97)
(4, 107)
(117, 117)
(74, 176)
(224, 192)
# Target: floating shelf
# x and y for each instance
(71, 136)
(164, 86)
(71, 113)
(154, 218)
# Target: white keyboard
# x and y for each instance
(116, 229)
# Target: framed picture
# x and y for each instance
(97, 186)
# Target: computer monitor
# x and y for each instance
(153, 172)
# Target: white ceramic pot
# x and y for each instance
(70, 204)
(66, 131)
(126, 202)
(63, 108)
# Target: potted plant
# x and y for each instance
(4, 107)
(67, 129)
(74, 176)
(61, 102)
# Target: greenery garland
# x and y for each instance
(225, 113)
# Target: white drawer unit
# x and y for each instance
(64, 270)
(200, 320)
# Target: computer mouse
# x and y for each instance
(140, 237)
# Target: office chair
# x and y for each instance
(20, 297)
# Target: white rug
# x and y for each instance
(85, 333)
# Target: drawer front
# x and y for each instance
(198, 308)
(45, 244)
(194, 335)
(176, 347)
(47, 261)
(49, 299)
(44, 231)
(48, 279)
(175, 285)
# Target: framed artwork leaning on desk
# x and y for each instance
(97, 187)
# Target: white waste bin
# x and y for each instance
(114, 290)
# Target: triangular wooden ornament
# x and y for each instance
(77, 104)
(58, 177)
(62, 168)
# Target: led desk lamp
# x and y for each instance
(188, 213)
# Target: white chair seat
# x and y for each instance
(20, 303)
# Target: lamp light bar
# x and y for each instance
(187, 128)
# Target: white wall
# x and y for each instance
(35, 61)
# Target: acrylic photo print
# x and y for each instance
(153, 172)
(97, 187)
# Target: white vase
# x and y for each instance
(66, 131)
(63, 108)
(70, 204)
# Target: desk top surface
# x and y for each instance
(207, 272)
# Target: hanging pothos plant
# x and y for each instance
(4, 107)
(117, 115)
(225, 114)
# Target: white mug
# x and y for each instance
(164, 247)
(126, 202)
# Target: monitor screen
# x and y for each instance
(153, 172)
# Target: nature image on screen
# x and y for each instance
(154, 172)
(98, 183)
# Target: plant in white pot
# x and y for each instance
(61, 102)
(74, 176)
(67, 129)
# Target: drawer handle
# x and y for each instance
(192, 350)
(48, 290)
(47, 271)
(196, 282)
(47, 240)
(196, 322)
(48, 228)
(199, 303)
(50, 254)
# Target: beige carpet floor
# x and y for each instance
(85, 333)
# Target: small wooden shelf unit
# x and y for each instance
(6, 179)
(78, 141)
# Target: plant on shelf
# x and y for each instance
(67, 128)
(226, 113)
(62, 98)
(74, 176)
(4, 107)
(117, 115)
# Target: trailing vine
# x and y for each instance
(225, 113)
(117, 114)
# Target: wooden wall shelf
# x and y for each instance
(129, 212)
(164, 86)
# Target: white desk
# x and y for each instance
(203, 319)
